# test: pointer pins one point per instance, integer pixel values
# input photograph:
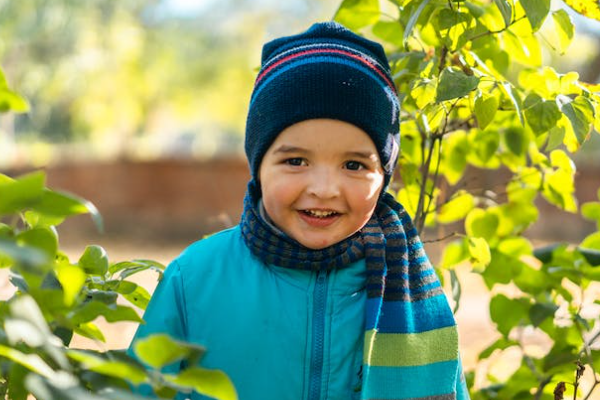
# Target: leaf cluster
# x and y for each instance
(56, 297)
(476, 96)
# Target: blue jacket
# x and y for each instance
(279, 334)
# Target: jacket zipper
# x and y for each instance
(318, 336)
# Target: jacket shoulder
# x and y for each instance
(223, 246)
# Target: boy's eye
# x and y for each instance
(295, 161)
(354, 165)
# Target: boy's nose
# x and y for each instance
(324, 184)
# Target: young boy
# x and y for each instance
(323, 291)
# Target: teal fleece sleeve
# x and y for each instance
(165, 314)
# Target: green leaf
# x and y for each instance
(592, 256)
(502, 269)
(389, 31)
(480, 223)
(536, 11)
(564, 29)
(531, 280)
(506, 10)
(93, 309)
(94, 260)
(158, 351)
(138, 297)
(32, 362)
(211, 383)
(456, 208)
(118, 369)
(454, 84)
(588, 8)
(356, 14)
(561, 354)
(42, 239)
(541, 115)
(480, 252)
(455, 253)
(500, 344)
(412, 21)
(91, 331)
(540, 311)
(508, 313)
(482, 148)
(485, 109)
(516, 140)
(58, 204)
(15, 195)
(72, 279)
(580, 113)
(11, 252)
(591, 211)
(423, 92)
(592, 241)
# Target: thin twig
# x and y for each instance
(479, 36)
(453, 234)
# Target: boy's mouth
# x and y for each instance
(320, 213)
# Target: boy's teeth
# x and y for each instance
(321, 214)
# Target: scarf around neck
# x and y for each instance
(411, 340)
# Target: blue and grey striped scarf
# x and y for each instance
(411, 341)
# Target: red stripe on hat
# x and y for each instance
(308, 52)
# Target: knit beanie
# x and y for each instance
(326, 72)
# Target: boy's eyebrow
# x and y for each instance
(362, 154)
(290, 149)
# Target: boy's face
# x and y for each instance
(320, 181)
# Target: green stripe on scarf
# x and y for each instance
(409, 349)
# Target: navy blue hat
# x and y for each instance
(326, 72)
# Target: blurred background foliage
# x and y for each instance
(160, 78)
(135, 79)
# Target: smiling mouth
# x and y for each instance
(320, 213)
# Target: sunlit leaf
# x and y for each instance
(71, 279)
(485, 108)
(480, 223)
(455, 253)
(456, 208)
(212, 383)
(423, 92)
(588, 8)
(59, 204)
(94, 260)
(356, 14)
(564, 29)
(20, 193)
(389, 31)
(160, 350)
(480, 252)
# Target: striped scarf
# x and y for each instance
(411, 340)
